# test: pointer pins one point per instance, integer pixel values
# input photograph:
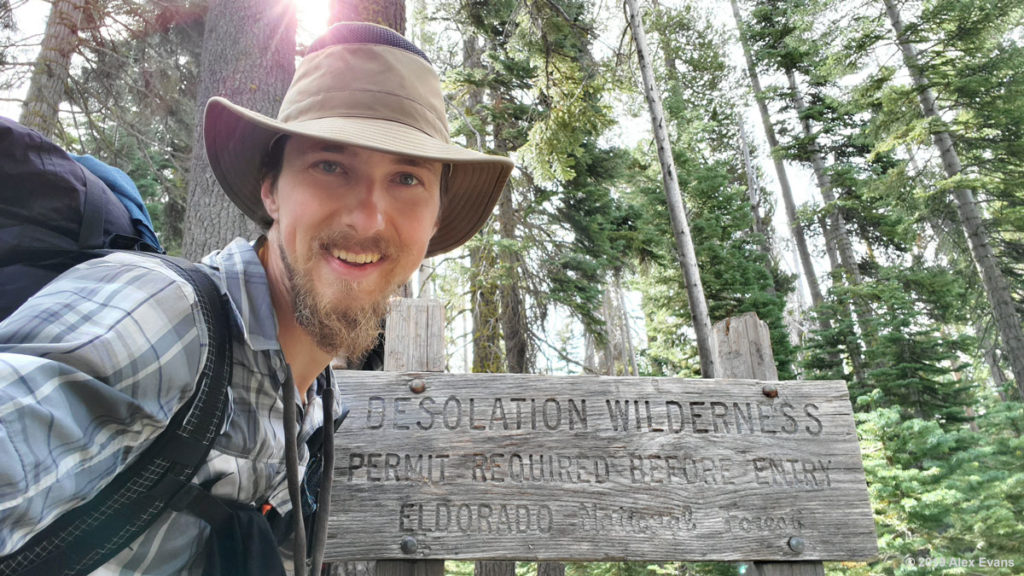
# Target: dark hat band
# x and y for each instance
(364, 33)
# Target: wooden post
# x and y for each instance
(414, 342)
(743, 349)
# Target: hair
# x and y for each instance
(270, 165)
(446, 174)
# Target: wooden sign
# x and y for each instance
(502, 466)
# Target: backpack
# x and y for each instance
(55, 214)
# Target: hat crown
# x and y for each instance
(359, 85)
(355, 78)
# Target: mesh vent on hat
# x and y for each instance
(363, 33)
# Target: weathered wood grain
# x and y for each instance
(622, 469)
(413, 340)
(414, 336)
(743, 349)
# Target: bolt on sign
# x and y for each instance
(502, 466)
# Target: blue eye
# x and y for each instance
(328, 166)
(408, 179)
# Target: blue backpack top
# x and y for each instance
(54, 210)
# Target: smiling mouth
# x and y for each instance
(356, 259)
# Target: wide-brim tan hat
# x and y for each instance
(359, 85)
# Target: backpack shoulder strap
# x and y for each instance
(88, 536)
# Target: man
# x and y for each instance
(355, 182)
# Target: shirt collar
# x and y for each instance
(243, 278)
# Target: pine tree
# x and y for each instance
(535, 90)
(996, 288)
(131, 106)
(685, 254)
(701, 104)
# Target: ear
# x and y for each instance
(268, 193)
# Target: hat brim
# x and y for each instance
(237, 138)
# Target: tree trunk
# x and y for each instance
(249, 58)
(591, 363)
(627, 335)
(680, 225)
(753, 196)
(390, 13)
(830, 246)
(487, 353)
(494, 568)
(780, 168)
(837, 237)
(513, 313)
(52, 68)
(997, 289)
(608, 313)
(837, 224)
(991, 356)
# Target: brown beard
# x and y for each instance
(337, 330)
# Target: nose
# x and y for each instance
(365, 214)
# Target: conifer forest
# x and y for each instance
(852, 171)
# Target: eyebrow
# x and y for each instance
(400, 160)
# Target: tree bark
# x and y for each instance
(52, 68)
(753, 195)
(680, 225)
(495, 568)
(390, 13)
(780, 168)
(627, 334)
(837, 224)
(837, 236)
(513, 313)
(487, 352)
(609, 315)
(249, 58)
(997, 289)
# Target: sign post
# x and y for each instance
(502, 466)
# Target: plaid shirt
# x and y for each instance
(93, 366)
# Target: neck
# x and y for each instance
(304, 358)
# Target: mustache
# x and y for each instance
(351, 242)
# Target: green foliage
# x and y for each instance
(134, 102)
(535, 88)
(918, 367)
(737, 272)
(649, 569)
(605, 231)
(942, 455)
(945, 493)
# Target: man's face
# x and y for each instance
(350, 225)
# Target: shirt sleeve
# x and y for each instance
(91, 369)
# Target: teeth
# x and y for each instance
(355, 258)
